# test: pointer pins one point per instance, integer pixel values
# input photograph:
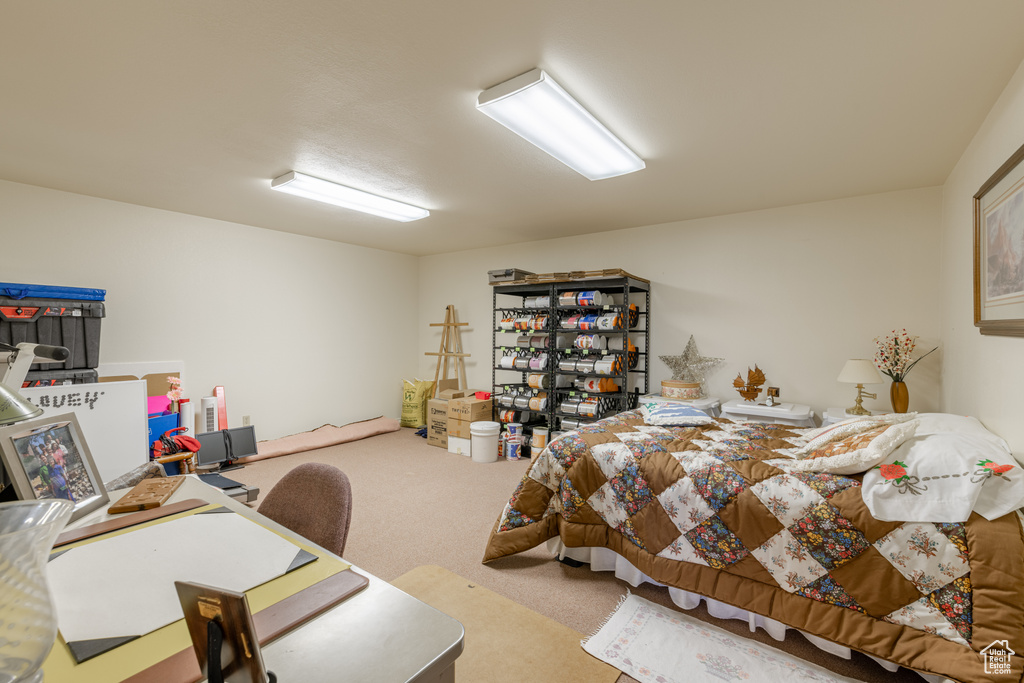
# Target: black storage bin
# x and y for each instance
(59, 316)
(56, 378)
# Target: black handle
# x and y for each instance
(57, 353)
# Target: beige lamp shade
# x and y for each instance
(14, 408)
(860, 371)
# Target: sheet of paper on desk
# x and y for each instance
(124, 586)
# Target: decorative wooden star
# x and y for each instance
(691, 366)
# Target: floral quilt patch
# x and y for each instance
(684, 505)
(627, 529)
(611, 457)
(716, 544)
(718, 485)
(830, 537)
(786, 497)
(924, 616)
(827, 485)
(641, 448)
(953, 601)
(631, 489)
(791, 564)
(927, 558)
(827, 590)
(569, 497)
(606, 504)
(566, 450)
(512, 519)
(682, 550)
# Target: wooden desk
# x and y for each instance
(378, 634)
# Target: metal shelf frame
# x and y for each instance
(632, 291)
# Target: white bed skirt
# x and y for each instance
(605, 560)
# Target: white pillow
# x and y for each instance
(674, 415)
(858, 452)
(946, 423)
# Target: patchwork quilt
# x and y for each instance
(698, 508)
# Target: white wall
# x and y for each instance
(300, 331)
(797, 290)
(983, 374)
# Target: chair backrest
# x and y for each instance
(315, 501)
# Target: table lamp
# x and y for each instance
(14, 408)
(860, 372)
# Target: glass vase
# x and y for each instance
(28, 623)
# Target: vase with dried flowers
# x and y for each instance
(174, 393)
(893, 359)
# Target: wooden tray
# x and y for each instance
(147, 494)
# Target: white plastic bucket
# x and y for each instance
(485, 441)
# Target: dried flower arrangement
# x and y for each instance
(893, 354)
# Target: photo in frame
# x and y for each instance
(999, 251)
(49, 458)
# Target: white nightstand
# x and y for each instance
(833, 415)
(709, 404)
(782, 413)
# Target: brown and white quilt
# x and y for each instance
(698, 508)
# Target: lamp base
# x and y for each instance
(858, 410)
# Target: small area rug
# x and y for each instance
(654, 644)
(504, 640)
(321, 437)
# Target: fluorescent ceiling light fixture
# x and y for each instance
(325, 191)
(534, 107)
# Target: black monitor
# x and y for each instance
(222, 448)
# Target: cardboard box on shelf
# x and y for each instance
(459, 428)
(459, 445)
(470, 409)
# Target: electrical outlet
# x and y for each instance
(245, 421)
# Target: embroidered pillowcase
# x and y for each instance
(857, 452)
(952, 466)
(674, 415)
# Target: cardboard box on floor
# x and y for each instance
(437, 422)
(437, 412)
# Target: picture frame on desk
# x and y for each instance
(49, 458)
(999, 250)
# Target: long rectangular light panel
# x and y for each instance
(309, 187)
(536, 108)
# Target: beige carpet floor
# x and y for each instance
(502, 637)
(415, 505)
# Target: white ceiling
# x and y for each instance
(194, 106)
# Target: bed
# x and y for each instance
(896, 537)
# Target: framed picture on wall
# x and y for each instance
(999, 250)
(48, 458)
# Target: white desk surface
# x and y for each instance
(378, 634)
